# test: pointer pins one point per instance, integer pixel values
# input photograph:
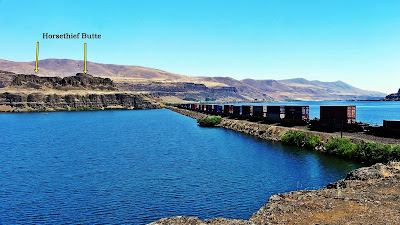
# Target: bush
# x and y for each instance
(371, 151)
(294, 138)
(341, 147)
(313, 141)
(209, 121)
(377, 152)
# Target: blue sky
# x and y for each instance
(354, 41)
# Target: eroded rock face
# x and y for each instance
(6, 78)
(183, 90)
(41, 102)
(79, 82)
(393, 97)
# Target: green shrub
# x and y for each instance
(313, 141)
(209, 121)
(366, 151)
(294, 138)
(395, 155)
(377, 152)
(341, 147)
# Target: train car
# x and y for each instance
(237, 110)
(300, 113)
(247, 110)
(209, 108)
(217, 109)
(275, 112)
(338, 114)
(391, 124)
(260, 111)
(227, 110)
(390, 128)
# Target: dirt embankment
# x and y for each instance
(369, 195)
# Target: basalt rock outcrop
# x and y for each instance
(6, 78)
(20, 92)
(393, 97)
(44, 102)
(369, 195)
(183, 90)
(79, 82)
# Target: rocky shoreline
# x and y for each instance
(369, 195)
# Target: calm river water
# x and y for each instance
(138, 166)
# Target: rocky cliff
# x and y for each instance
(393, 97)
(48, 102)
(21, 92)
(184, 90)
(80, 81)
(6, 78)
(369, 195)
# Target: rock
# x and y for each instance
(41, 102)
(79, 82)
(182, 220)
(393, 97)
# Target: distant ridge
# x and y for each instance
(130, 77)
(68, 67)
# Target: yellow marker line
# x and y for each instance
(37, 57)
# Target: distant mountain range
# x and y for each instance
(137, 78)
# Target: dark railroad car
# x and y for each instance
(237, 110)
(391, 124)
(214, 108)
(297, 112)
(247, 110)
(209, 108)
(338, 114)
(217, 109)
(276, 112)
(260, 111)
(228, 109)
